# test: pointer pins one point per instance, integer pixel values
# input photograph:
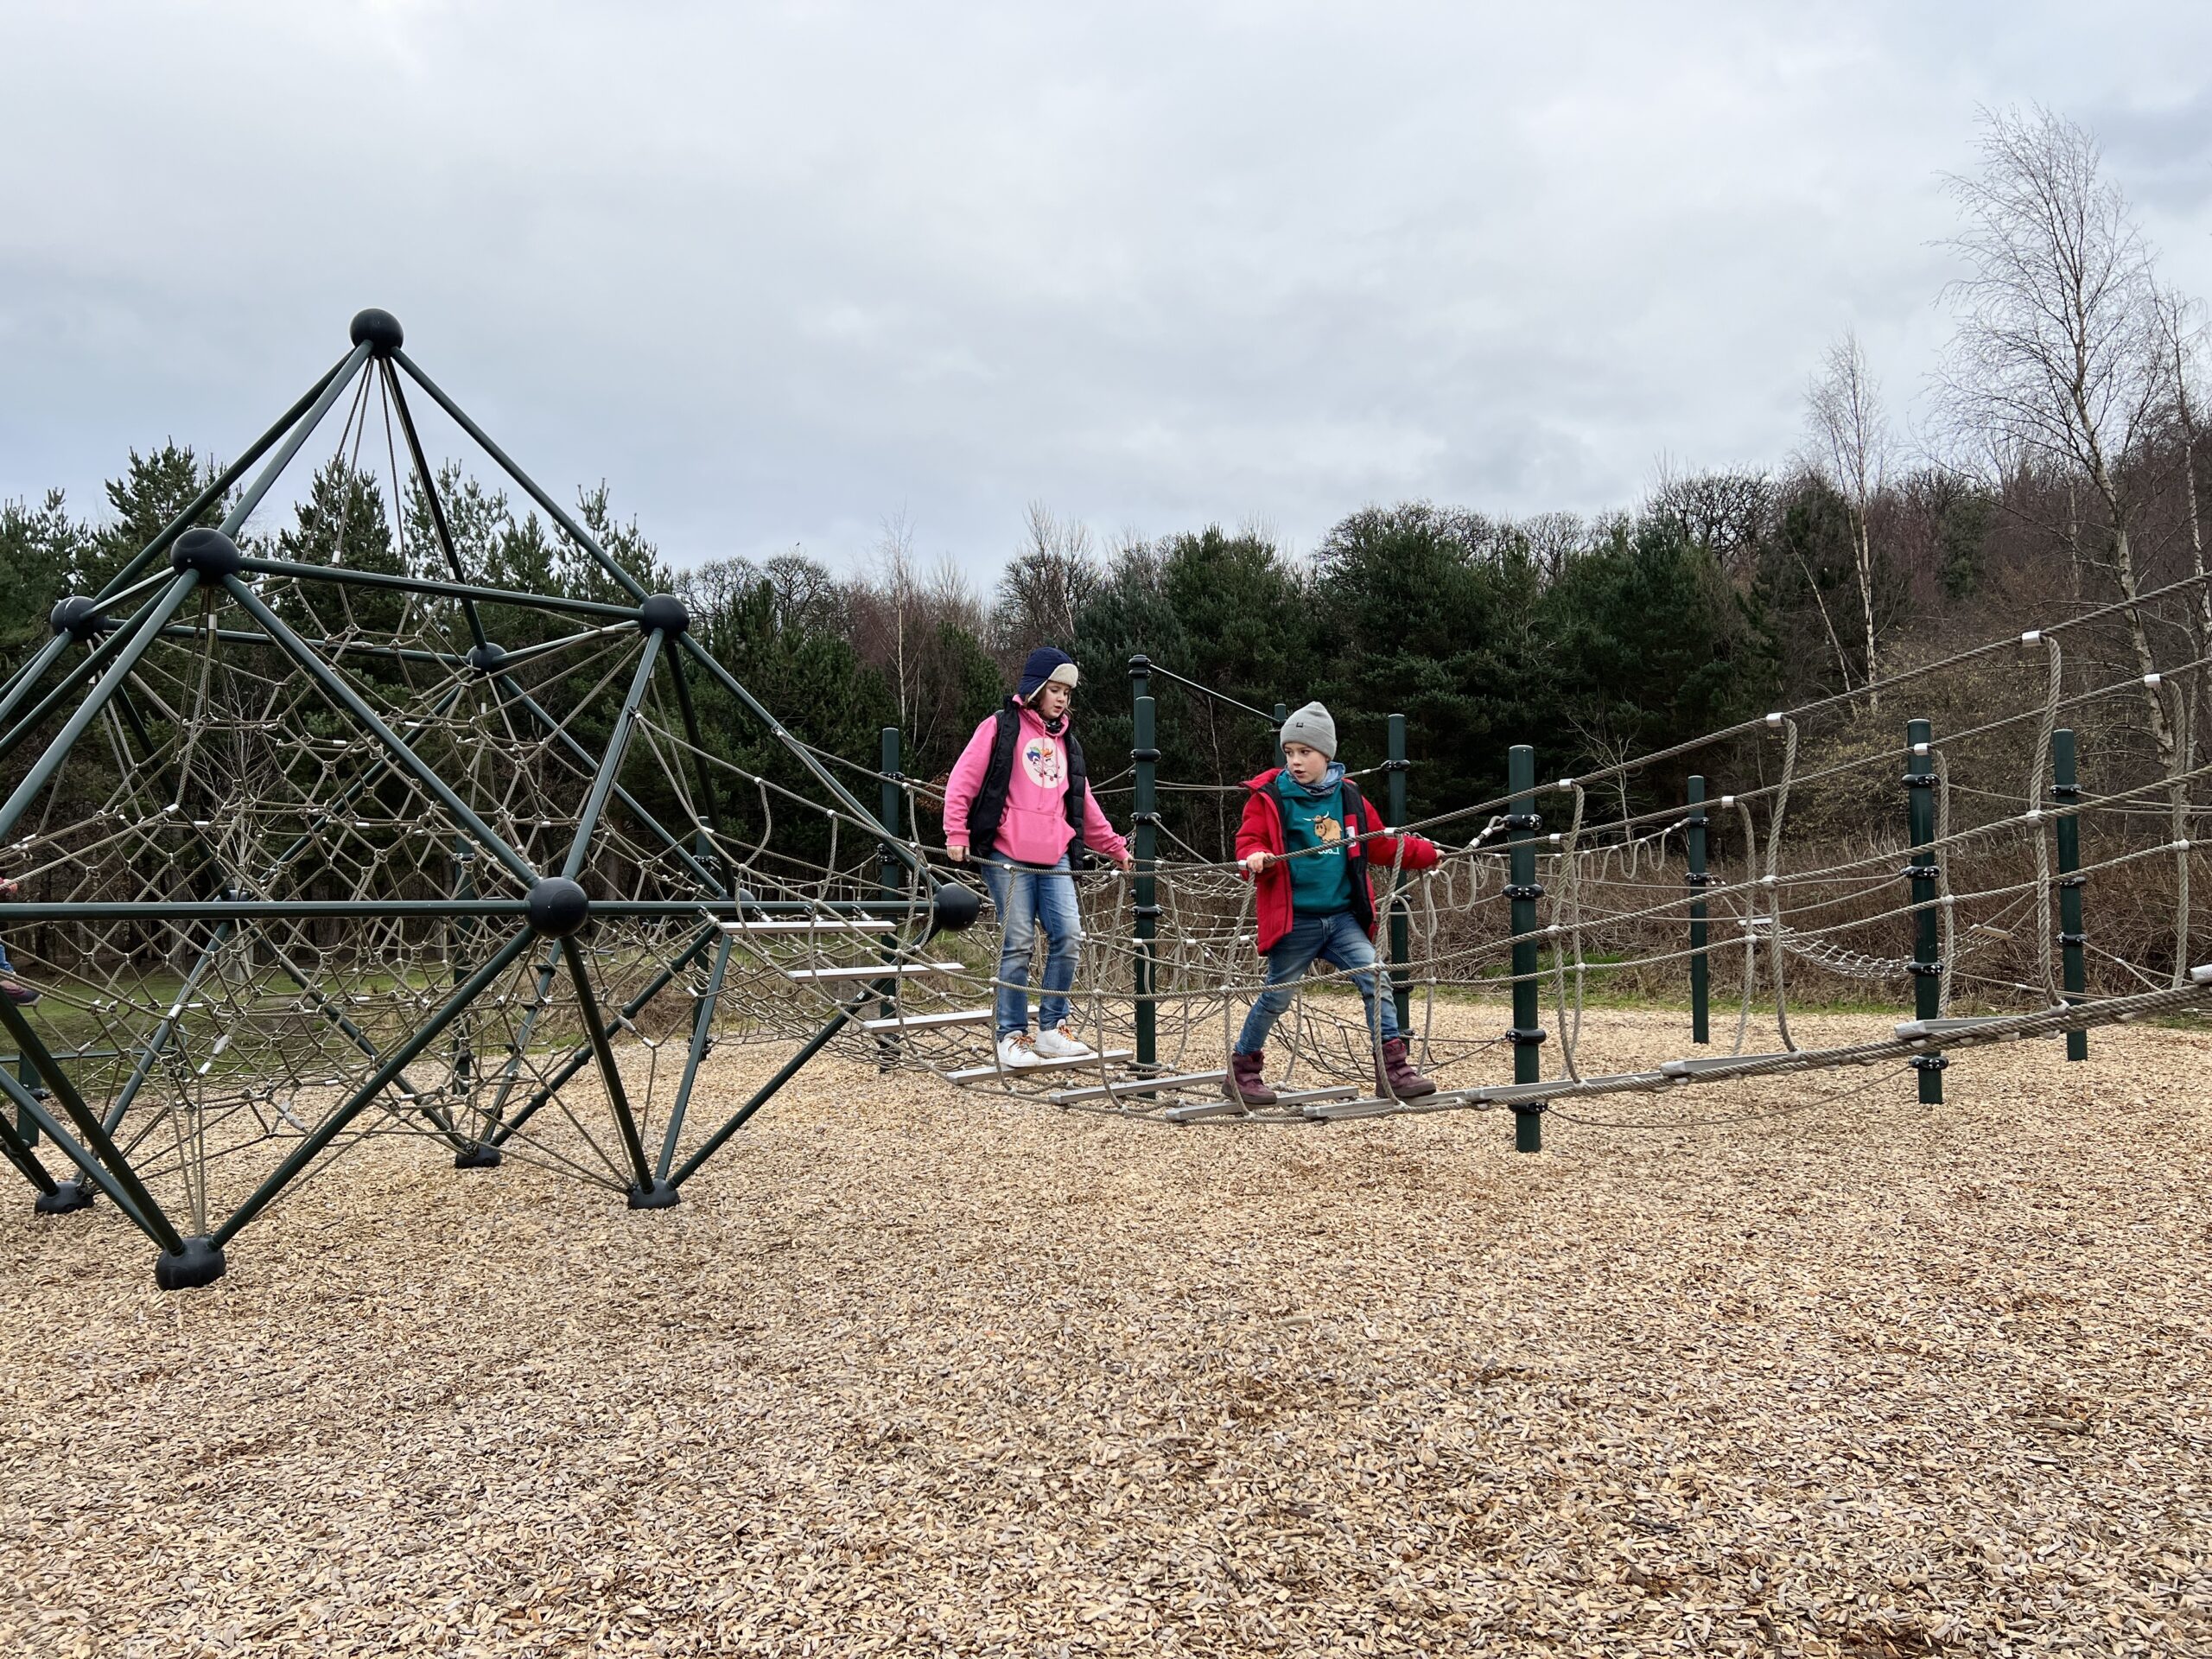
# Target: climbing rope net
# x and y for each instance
(355, 842)
(1618, 894)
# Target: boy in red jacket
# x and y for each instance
(1314, 901)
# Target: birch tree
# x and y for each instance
(1851, 447)
(2059, 354)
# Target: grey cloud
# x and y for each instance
(776, 276)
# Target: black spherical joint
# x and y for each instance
(558, 907)
(378, 330)
(78, 617)
(210, 552)
(954, 908)
(479, 1156)
(66, 1198)
(487, 658)
(661, 1195)
(201, 1262)
(664, 614)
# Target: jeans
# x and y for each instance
(1027, 898)
(1337, 939)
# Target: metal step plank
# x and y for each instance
(823, 926)
(1136, 1086)
(929, 1021)
(983, 1073)
(872, 970)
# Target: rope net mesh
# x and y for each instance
(275, 892)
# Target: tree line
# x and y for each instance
(2060, 477)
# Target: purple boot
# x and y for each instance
(1247, 1083)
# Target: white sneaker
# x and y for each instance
(1018, 1050)
(1059, 1043)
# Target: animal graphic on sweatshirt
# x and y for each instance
(1328, 830)
(1042, 759)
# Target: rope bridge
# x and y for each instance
(358, 842)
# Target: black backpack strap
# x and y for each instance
(988, 810)
(1072, 801)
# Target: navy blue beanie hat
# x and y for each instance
(1042, 666)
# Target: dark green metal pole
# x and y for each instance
(125, 658)
(610, 1071)
(1701, 969)
(891, 799)
(2066, 790)
(1144, 829)
(220, 487)
(761, 1095)
(310, 1145)
(141, 1205)
(1401, 976)
(1522, 823)
(703, 1025)
(349, 700)
(1921, 873)
(1282, 714)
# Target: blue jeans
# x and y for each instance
(1338, 940)
(1027, 898)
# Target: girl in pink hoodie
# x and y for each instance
(1019, 802)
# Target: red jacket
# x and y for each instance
(1262, 831)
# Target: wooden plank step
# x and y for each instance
(930, 1022)
(990, 1073)
(1136, 1086)
(872, 970)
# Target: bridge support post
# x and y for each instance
(1921, 873)
(1144, 830)
(1522, 825)
(1401, 976)
(1694, 835)
(890, 802)
(2066, 790)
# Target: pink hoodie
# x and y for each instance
(1035, 828)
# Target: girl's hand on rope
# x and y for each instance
(1125, 862)
(958, 852)
(1257, 861)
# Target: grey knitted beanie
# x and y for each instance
(1313, 726)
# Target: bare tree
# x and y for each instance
(2181, 336)
(1851, 448)
(1725, 511)
(2059, 354)
(1046, 584)
(904, 619)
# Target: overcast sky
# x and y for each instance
(777, 272)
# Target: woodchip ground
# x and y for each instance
(915, 1372)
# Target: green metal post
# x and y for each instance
(1401, 976)
(2066, 790)
(26, 1074)
(1522, 823)
(1144, 825)
(890, 799)
(1926, 965)
(1701, 968)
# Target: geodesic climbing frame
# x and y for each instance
(335, 846)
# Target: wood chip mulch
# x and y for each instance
(918, 1372)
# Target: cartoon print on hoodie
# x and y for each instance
(1044, 760)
